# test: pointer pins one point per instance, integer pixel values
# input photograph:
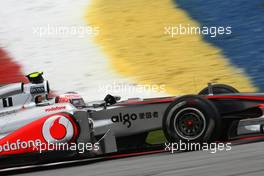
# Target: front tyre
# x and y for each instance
(191, 118)
(219, 89)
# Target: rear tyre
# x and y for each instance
(219, 89)
(191, 118)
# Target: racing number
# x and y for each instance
(7, 102)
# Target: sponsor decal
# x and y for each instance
(127, 119)
(19, 145)
(57, 128)
(52, 129)
(37, 90)
(72, 96)
(57, 108)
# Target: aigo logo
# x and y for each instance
(127, 119)
(57, 128)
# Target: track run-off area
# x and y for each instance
(246, 160)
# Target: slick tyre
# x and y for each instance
(191, 118)
(219, 89)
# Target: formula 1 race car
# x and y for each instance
(36, 128)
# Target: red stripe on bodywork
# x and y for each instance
(171, 99)
(158, 100)
(242, 97)
(252, 138)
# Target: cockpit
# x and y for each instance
(19, 95)
(71, 97)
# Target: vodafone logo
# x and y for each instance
(57, 108)
(57, 128)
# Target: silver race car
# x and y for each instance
(33, 124)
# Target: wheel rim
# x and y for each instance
(189, 123)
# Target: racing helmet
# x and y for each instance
(71, 97)
(37, 88)
(35, 77)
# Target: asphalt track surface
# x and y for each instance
(247, 159)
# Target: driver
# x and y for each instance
(71, 97)
(39, 99)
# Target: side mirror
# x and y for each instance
(110, 100)
(117, 98)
